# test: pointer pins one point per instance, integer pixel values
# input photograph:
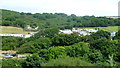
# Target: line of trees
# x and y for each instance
(61, 20)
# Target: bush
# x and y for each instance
(32, 61)
(10, 63)
(68, 61)
(77, 50)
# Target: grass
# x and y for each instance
(12, 30)
(109, 28)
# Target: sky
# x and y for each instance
(77, 7)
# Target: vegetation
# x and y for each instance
(109, 28)
(10, 62)
(12, 30)
(68, 61)
(50, 48)
(61, 20)
(32, 61)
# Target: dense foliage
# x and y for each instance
(99, 50)
(61, 20)
(50, 48)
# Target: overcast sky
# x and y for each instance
(78, 7)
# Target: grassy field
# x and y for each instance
(109, 29)
(10, 29)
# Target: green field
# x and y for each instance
(109, 29)
(13, 30)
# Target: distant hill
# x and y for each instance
(46, 20)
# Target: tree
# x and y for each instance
(35, 46)
(80, 49)
(11, 63)
(95, 56)
(12, 43)
(117, 36)
(32, 61)
(107, 47)
(101, 34)
(56, 52)
(50, 32)
(44, 53)
(42, 43)
(27, 48)
(65, 40)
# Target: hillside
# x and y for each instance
(61, 20)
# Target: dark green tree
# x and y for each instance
(101, 34)
(33, 61)
(65, 40)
